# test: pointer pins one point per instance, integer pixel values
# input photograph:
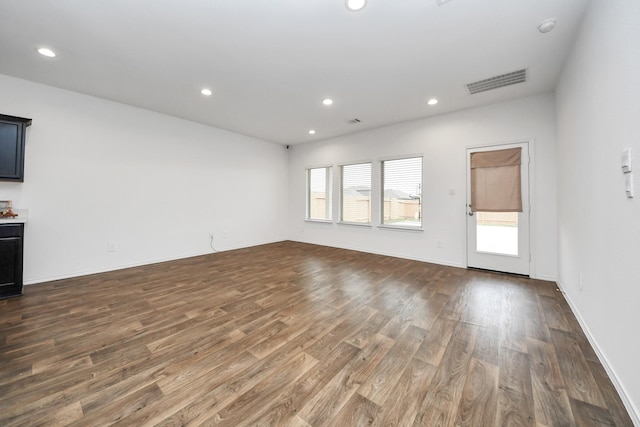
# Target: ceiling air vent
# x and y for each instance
(354, 121)
(519, 76)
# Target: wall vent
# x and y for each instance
(496, 82)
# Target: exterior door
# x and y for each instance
(499, 241)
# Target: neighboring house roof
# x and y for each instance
(362, 191)
(357, 191)
(396, 194)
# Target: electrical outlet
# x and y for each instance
(439, 244)
(112, 247)
(580, 282)
(211, 234)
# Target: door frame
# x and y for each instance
(532, 196)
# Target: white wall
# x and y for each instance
(98, 171)
(598, 106)
(442, 140)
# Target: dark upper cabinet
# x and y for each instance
(12, 135)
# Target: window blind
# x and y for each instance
(355, 197)
(402, 192)
(495, 181)
(319, 201)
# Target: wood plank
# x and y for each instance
(515, 401)
(354, 323)
(614, 404)
(577, 376)
(487, 346)
(65, 416)
(553, 313)
(295, 421)
(282, 409)
(479, 396)
(178, 406)
(550, 398)
(379, 386)
(235, 381)
(325, 404)
(591, 415)
(436, 341)
(363, 336)
(249, 403)
(415, 382)
(440, 405)
(535, 322)
(121, 406)
(359, 411)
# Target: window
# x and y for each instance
(402, 192)
(319, 193)
(355, 194)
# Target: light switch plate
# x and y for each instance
(628, 185)
(625, 160)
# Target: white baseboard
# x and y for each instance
(137, 264)
(545, 278)
(628, 404)
(390, 254)
(112, 268)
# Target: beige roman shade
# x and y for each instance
(495, 181)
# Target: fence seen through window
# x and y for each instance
(355, 198)
(402, 192)
(319, 193)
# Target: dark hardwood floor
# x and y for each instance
(290, 334)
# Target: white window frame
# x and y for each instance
(341, 195)
(328, 192)
(382, 198)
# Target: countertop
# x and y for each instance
(23, 215)
(16, 220)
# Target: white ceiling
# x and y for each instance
(270, 63)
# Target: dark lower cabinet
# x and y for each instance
(11, 239)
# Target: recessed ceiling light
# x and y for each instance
(46, 52)
(547, 25)
(355, 5)
(312, 132)
(206, 92)
(432, 101)
(327, 101)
